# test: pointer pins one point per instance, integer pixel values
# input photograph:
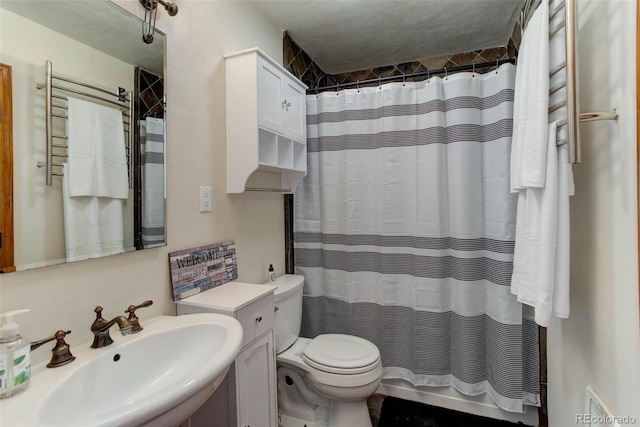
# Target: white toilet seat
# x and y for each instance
(294, 356)
(341, 354)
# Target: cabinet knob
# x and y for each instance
(259, 319)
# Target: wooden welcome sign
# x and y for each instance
(198, 269)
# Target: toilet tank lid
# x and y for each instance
(288, 285)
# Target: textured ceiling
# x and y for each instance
(99, 24)
(348, 35)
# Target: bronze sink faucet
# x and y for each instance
(100, 328)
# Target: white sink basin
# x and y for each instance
(157, 377)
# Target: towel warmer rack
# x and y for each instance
(55, 93)
(570, 68)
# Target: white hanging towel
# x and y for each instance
(531, 104)
(93, 226)
(541, 258)
(566, 189)
(153, 233)
(97, 159)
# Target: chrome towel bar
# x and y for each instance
(123, 100)
(570, 84)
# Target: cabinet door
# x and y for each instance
(256, 384)
(270, 99)
(295, 120)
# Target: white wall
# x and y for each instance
(598, 344)
(26, 45)
(64, 296)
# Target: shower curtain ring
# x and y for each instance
(379, 83)
(473, 71)
(446, 74)
(358, 85)
(404, 83)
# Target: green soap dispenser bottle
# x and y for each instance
(15, 356)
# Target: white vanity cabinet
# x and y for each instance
(247, 396)
(256, 399)
(266, 124)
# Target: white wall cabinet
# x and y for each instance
(266, 124)
(247, 396)
(271, 98)
(281, 101)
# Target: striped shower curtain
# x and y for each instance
(153, 182)
(404, 231)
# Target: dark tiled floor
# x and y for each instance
(403, 413)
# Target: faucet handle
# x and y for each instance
(61, 351)
(147, 303)
(133, 319)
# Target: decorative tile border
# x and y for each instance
(150, 99)
(300, 64)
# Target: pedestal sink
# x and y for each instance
(157, 377)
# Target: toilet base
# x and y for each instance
(299, 405)
(287, 421)
(354, 413)
(348, 414)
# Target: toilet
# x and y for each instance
(325, 381)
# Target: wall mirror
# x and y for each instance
(99, 44)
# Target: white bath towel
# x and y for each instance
(97, 162)
(566, 189)
(531, 104)
(93, 226)
(541, 259)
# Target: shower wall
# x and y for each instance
(598, 344)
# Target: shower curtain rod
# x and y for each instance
(444, 70)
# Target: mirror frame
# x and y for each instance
(7, 264)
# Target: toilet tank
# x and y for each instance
(288, 315)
